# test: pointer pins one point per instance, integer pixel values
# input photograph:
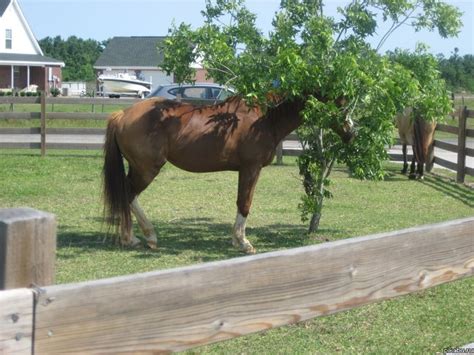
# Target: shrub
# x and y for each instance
(55, 92)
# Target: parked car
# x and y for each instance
(202, 92)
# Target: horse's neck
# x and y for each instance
(285, 118)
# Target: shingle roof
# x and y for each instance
(131, 52)
(3, 6)
(30, 58)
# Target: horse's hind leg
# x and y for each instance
(139, 181)
(247, 180)
(144, 223)
(405, 163)
(412, 174)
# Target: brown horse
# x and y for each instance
(227, 136)
(418, 133)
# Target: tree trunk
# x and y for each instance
(314, 223)
(316, 216)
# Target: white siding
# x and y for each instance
(158, 77)
(21, 41)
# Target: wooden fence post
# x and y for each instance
(27, 248)
(43, 124)
(461, 146)
(279, 153)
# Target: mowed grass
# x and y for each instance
(193, 214)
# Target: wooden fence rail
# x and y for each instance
(182, 308)
(43, 115)
(460, 148)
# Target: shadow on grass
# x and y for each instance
(203, 239)
(459, 192)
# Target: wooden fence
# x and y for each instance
(44, 116)
(182, 308)
(460, 148)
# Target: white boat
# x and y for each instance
(123, 84)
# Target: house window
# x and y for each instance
(8, 39)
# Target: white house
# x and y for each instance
(140, 56)
(22, 62)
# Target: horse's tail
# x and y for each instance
(116, 188)
(419, 141)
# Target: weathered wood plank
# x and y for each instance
(19, 145)
(469, 152)
(446, 128)
(461, 163)
(16, 321)
(80, 131)
(469, 171)
(27, 247)
(445, 163)
(75, 146)
(30, 130)
(43, 125)
(292, 152)
(77, 115)
(37, 130)
(92, 101)
(19, 115)
(19, 100)
(187, 307)
(292, 137)
(470, 133)
(446, 146)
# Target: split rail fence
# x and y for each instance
(182, 308)
(461, 149)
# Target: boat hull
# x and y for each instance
(124, 86)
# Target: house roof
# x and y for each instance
(28, 59)
(3, 6)
(131, 52)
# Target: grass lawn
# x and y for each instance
(193, 214)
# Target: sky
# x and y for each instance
(104, 19)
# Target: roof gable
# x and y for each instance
(3, 6)
(130, 52)
(24, 42)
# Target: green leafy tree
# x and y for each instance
(458, 71)
(78, 54)
(327, 63)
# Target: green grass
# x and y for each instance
(193, 214)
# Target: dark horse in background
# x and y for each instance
(227, 136)
(419, 134)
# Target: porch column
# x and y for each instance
(28, 78)
(12, 76)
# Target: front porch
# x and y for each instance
(18, 72)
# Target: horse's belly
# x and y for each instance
(203, 161)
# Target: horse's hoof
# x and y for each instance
(152, 244)
(248, 249)
(412, 177)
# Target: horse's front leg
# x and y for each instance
(247, 180)
(144, 223)
(412, 174)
